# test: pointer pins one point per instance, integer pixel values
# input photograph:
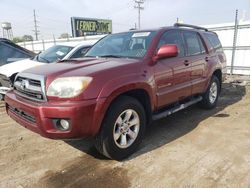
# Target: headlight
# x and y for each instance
(67, 87)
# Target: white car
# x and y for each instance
(51, 55)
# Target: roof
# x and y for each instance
(175, 26)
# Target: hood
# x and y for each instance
(80, 67)
(18, 66)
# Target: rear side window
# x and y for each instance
(8, 53)
(172, 37)
(193, 43)
(213, 40)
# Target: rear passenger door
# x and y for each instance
(172, 75)
(196, 57)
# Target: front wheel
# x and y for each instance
(210, 97)
(122, 129)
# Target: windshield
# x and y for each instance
(53, 54)
(128, 45)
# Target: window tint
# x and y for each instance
(203, 50)
(214, 40)
(193, 43)
(172, 37)
(8, 54)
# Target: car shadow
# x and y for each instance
(168, 129)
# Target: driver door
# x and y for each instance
(172, 75)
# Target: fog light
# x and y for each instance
(61, 124)
(64, 124)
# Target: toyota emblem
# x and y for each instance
(24, 84)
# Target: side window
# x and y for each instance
(203, 50)
(8, 53)
(214, 40)
(193, 44)
(80, 53)
(172, 37)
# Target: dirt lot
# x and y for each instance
(192, 148)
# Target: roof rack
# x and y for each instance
(191, 26)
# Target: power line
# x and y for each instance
(36, 31)
(139, 7)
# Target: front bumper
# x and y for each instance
(5, 81)
(4, 90)
(84, 116)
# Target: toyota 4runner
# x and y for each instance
(125, 81)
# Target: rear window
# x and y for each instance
(213, 40)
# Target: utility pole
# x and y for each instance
(36, 31)
(139, 7)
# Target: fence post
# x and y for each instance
(54, 39)
(234, 41)
(32, 43)
(43, 45)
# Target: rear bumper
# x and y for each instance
(85, 116)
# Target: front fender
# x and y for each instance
(118, 86)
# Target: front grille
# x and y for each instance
(30, 86)
(22, 114)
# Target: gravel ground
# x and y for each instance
(192, 148)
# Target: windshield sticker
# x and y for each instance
(141, 34)
(59, 53)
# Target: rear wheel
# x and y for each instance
(210, 97)
(122, 129)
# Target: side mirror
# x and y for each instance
(165, 51)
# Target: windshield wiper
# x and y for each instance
(114, 56)
(89, 56)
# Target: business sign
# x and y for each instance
(87, 26)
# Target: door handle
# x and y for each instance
(207, 59)
(186, 62)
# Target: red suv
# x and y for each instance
(125, 81)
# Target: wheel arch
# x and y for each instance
(218, 74)
(140, 93)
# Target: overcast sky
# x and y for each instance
(54, 15)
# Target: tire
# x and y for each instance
(210, 97)
(110, 140)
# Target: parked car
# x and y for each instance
(125, 81)
(53, 54)
(10, 52)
